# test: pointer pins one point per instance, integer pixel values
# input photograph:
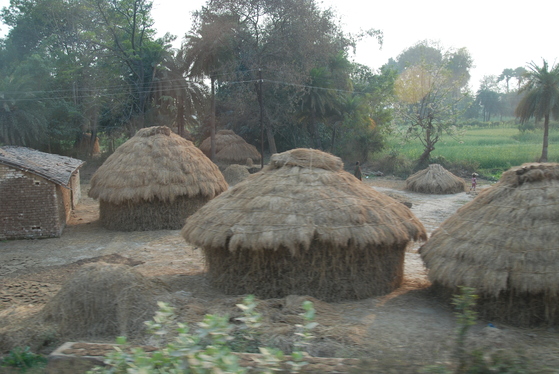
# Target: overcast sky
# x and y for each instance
(499, 34)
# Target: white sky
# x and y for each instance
(499, 34)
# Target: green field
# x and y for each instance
(488, 150)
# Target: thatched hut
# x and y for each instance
(435, 180)
(504, 243)
(230, 148)
(104, 299)
(154, 181)
(303, 225)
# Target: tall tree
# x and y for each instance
(506, 75)
(541, 98)
(207, 50)
(428, 90)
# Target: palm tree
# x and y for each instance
(207, 52)
(177, 95)
(317, 101)
(541, 99)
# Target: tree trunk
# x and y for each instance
(315, 134)
(271, 140)
(545, 138)
(212, 121)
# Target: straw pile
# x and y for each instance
(304, 226)
(435, 180)
(504, 243)
(235, 174)
(230, 148)
(154, 181)
(104, 300)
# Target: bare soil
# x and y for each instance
(403, 331)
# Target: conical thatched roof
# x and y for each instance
(435, 180)
(230, 148)
(303, 195)
(156, 164)
(506, 238)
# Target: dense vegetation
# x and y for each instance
(277, 72)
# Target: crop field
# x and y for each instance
(487, 149)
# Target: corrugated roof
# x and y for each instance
(55, 168)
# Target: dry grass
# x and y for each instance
(103, 300)
(435, 180)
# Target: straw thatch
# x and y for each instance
(104, 299)
(235, 174)
(504, 243)
(154, 181)
(435, 180)
(303, 225)
(230, 148)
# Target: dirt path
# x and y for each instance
(407, 328)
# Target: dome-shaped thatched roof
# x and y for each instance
(303, 205)
(156, 164)
(435, 180)
(302, 195)
(505, 241)
(230, 148)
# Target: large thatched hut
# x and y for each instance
(435, 180)
(505, 244)
(303, 225)
(154, 181)
(230, 148)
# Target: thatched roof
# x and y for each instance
(55, 168)
(302, 196)
(234, 174)
(230, 148)
(504, 239)
(435, 180)
(156, 164)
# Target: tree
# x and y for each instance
(207, 50)
(428, 90)
(541, 98)
(506, 75)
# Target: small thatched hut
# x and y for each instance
(230, 148)
(305, 226)
(435, 180)
(154, 181)
(504, 243)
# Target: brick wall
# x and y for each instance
(30, 206)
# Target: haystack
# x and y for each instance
(104, 300)
(504, 243)
(304, 226)
(230, 148)
(234, 174)
(435, 180)
(154, 181)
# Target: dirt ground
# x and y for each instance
(407, 328)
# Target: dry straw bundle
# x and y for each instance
(234, 174)
(154, 181)
(230, 148)
(435, 180)
(104, 300)
(303, 225)
(504, 243)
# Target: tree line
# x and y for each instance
(277, 72)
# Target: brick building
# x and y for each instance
(38, 191)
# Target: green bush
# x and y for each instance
(209, 349)
(23, 360)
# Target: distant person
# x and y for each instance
(357, 172)
(474, 182)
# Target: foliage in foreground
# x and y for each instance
(23, 360)
(209, 348)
